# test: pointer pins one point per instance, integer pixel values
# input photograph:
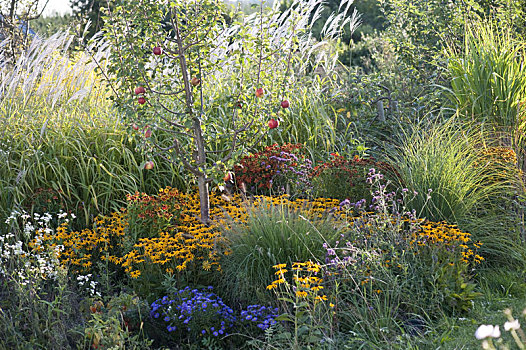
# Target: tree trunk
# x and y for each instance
(204, 199)
(202, 182)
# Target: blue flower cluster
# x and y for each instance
(199, 312)
(262, 316)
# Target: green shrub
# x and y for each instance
(118, 324)
(346, 179)
(275, 170)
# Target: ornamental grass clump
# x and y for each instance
(62, 144)
(504, 166)
(84, 162)
(467, 188)
(443, 158)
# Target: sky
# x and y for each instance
(60, 6)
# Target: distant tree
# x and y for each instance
(418, 28)
(49, 25)
(511, 12)
(372, 21)
(248, 6)
(90, 11)
(15, 16)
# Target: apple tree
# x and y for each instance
(200, 90)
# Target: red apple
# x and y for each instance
(135, 127)
(195, 81)
(239, 105)
(157, 51)
(259, 92)
(149, 165)
(273, 123)
(141, 100)
(148, 132)
(139, 90)
(285, 104)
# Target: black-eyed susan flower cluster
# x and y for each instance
(184, 242)
(306, 280)
(191, 244)
(82, 248)
(448, 255)
(447, 238)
